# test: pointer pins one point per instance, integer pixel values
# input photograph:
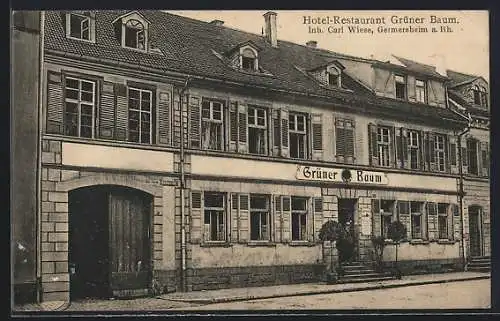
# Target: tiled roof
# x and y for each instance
(187, 46)
(457, 97)
(459, 78)
(419, 67)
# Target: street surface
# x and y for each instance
(454, 295)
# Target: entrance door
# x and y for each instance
(475, 231)
(109, 250)
(349, 250)
(130, 260)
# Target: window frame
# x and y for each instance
(143, 30)
(381, 144)
(212, 120)
(384, 215)
(86, 17)
(260, 212)
(424, 89)
(414, 148)
(256, 125)
(301, 213)
(345, 124)
(403, 81)
(439, 152)
(446, 216)
(78, 102)
(420, 214)
(223, 209)
(151, 114)
(296, 131)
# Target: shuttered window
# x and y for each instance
(384, 141)
(417, 220)
(80, 107)
(440, 154)
(297, 125)
(299, 218)
(344, 138)
(443, 228)
(260, 220)
(214, 217)
(212, 120)
(257, 130)
(140, 115)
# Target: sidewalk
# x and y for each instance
(179, 300)
(242, 294)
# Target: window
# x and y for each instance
(416, 220)
(79, 26)
(249, 60)
(299, 218)
(211, 124)
(439, 142)
(443, 220)
(257, 130)
(333, 77)
(259, 218)
(420, 90)
(472, 156)
(480, 96)
(79, 108)
(344, 138)
(298, 134)
(400, 87)
(134, 35)
(140, 115)
(414, 149)
(386, 214)
(215, 228)
(383, 145)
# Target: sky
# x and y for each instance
(465, 49)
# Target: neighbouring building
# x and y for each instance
(182, 155)
(25, 80)
(469, 94)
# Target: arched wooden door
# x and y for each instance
(129, 241)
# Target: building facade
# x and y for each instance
(181, 155)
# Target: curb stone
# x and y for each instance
(301, 293)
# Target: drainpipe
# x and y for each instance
(183, 186)
(38, 220)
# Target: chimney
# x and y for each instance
(312, 44)
(270, 29)
(217, 22)
(439, 63)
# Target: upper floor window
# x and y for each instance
(298, 135)
(212, 123)
(439, 149)
(400, 86)
(80, 26)
(79, 108)
(140, 115)
(420, 91)
(384, 146)
(249, 60)
(257, 130)
(480, 96)
(414, 153)
(134, 35)
(344, 138)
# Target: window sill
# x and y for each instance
(216, 244)
(416, 242)
(443, 241)
(301, 243)
(261, 243)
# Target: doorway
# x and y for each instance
(475, 231)
(109, 241)
(348, 249)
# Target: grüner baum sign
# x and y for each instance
(341, 175)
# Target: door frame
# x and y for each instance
(479, 222)
(355, 229)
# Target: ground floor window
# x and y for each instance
(443, 220)
(299, 218)
(259, 218)
(416, 220)
(386, 216)
(214, 218)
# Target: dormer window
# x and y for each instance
(249, 60)
(132, 30)
(134, 35)
(333, 77)
(480, 96)
(80, 25)
(400, 86)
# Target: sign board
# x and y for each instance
(341, 175)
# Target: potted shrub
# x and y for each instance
(378, 243)
(397, 232)
(330, 231)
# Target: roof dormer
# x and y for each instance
(329, 74)
(245, 56)
(80, 25)
(132, 29)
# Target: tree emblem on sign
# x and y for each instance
(346, 175)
